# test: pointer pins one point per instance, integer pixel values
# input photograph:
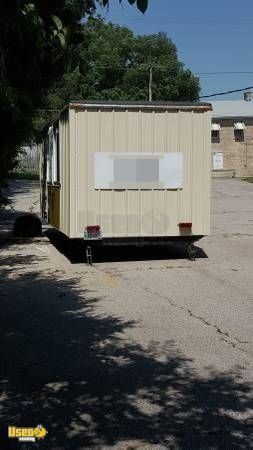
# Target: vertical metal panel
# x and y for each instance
(139, 212)
(73, 163)
(146, 212)
(185, 145)
(133, 213)
(161, 222)
(81, 176)
(64, 172)
(133, 131)
(92, 143)
(201, 172)
(134, 141)
(147, 131)
(198, 175)
(206, 175)
(160, 131)
(120, 133)
(171, 138)
(105, 212)
(119, 222)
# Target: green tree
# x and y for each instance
(113, 64)
(35, 39)
(141, 4)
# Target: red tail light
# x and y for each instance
(93, 228)
(185, 225)
(92, 232)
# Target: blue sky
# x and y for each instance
(211, 36)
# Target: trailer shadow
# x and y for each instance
(74, 250)
(72, 368)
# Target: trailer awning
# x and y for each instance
(215, 127)
(239, 126)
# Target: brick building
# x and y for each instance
(232, 137)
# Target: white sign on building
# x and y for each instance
(217, 161)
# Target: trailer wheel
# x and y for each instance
(89, 255)
(191, 251)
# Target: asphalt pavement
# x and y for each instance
(143, 350)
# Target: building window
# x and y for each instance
(215, 136)
(239, 128)
(239, 135)
(215, 133)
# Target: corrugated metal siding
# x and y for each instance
(64, 137)
(123, 213)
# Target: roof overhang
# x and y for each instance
(235, 118)
(175, 106)
(239, 126)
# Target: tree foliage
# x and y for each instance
(112, 63)
(35, 41)
(141, 4)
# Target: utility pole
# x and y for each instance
(150, 96)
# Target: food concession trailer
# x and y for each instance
(116, 173)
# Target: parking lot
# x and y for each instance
(145, 349)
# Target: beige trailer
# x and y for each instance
(128, 172)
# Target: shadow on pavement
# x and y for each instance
(8, 214)
(74, 250)
(69, 367)
(16, 187)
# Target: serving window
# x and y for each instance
(138, 171)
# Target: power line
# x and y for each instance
(238, 72)
(226, 92)
(164, 67)
(178, 20)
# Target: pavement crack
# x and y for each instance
(225, 336)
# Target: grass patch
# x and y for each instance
(25, 175)
(248, 179)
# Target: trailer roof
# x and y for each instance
(139, 105)
(109, 104)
